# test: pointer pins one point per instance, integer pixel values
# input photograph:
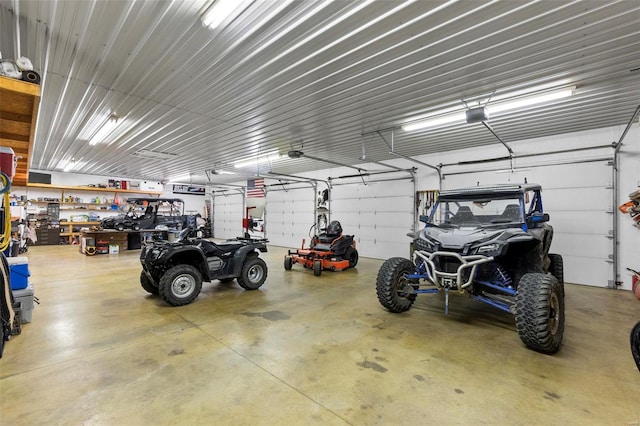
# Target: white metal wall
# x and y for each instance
(289, 215)
(578, 200)
(227, 215)
(379, 214)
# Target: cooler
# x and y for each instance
(24, 299)
(19, 271)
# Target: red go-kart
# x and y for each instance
(330, 250)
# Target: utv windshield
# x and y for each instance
(477, 213)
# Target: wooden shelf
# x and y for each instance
(71, 233)
(92, 189)
(18, 116)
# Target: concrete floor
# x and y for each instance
(302, 350)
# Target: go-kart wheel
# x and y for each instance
(147, 284)
(352, 256)
(180, 285)
(317, 267)
(254, 272)
(539, 312)
(288, 263)
(396, 292)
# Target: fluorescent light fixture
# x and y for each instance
(223, 172)
(156, 155)
(181, 178)
(104, 131)
(266, 158)
(221, 10)
(531, 100)
(505, 103)
(439, 121)
(73, 164)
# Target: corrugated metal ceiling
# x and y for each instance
(310, 75)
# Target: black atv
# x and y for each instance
(491, 244)
(176, 270)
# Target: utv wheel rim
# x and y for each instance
(554, 314)
(183, 285)
(255, 273)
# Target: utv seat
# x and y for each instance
(463, 215)
(511, 212)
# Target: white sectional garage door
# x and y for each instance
(227, 215)
(289, 215)
(379, 214)
(578, 199)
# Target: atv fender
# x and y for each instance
(196, 258)
(239, 257)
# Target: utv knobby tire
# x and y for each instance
(395, 292)
(556, 268)
(540, 312)
(254, 273)
(288, 263)
(147, 284)
(180, 285)
(635, 344)
(317, 267)
(352, 256)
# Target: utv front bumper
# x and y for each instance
(449, 270)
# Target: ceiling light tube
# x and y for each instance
(104, 131)
(457, 118)
(257, 160)
(219, 11)
(531, 100)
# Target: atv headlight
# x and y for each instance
(424, 244)
(153, 254)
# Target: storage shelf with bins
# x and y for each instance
(79, 207)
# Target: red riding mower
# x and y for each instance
(329, 250)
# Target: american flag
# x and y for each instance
(255, 188)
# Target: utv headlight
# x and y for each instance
(489, 249)
(424, 245)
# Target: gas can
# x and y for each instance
(8, 161)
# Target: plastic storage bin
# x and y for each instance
(19, 267)
(24, 298)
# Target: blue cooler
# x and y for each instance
(19, 267)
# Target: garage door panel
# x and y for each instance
(580, 199)
(572, 223)
(589, 271)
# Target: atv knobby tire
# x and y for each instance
(317, 267)
(147, 284)
(180, 285)
(635, 344)
(395, 292)
(352, 256)
(540, 312)
(254, 272)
